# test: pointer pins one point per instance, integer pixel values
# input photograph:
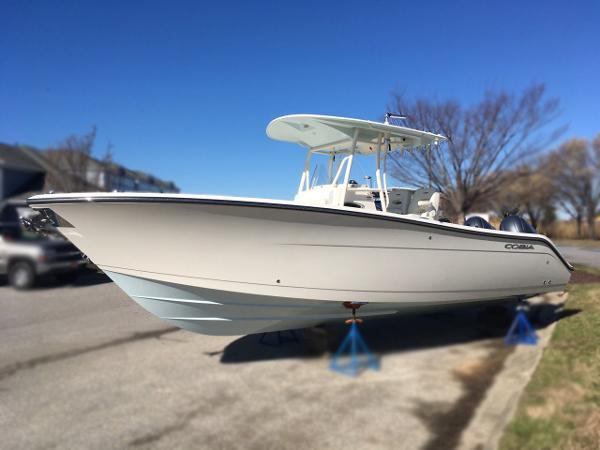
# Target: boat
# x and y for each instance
(225, 265)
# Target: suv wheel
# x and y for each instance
(21, 275)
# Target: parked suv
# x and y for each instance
(26, 256)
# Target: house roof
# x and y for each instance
(21, 158)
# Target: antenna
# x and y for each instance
(391, 115)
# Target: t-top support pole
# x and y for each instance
(386, 200)
(330, 164)
(378, 174)
(349, 167)
(304, 181)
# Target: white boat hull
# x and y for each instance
(232, 266)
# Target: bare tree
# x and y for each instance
(593, 201)
(575, 166)
(485, 141)
(72, 167)
(530, 190)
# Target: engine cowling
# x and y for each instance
(478, 222)
(516, 224)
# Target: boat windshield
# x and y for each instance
(324, 169)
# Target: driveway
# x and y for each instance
(588, 256)
(84, 367)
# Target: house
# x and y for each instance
(86, 173)
(114, 177)
(26, 171)
(21, 170)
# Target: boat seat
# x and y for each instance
(399, 199)
(425, 202)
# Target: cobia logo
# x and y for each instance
(519, 246)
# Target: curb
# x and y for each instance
(498, 407)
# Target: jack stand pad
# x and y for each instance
(353, 355)
(521, 331)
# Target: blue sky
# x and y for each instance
(184, 90)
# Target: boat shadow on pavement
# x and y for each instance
(391, 334)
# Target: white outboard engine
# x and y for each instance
(516, 224)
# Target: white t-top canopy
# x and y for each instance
(335, 134)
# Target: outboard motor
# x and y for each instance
(516, 224)
(478, 222)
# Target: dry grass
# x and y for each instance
(560, 408)
(567, 230)
(562, 230)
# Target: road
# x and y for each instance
(581, 255)
(84, 367)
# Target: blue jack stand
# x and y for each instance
(353, 355)
(521, 331)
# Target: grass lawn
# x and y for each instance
(560, 408)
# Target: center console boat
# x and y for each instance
(233, 265)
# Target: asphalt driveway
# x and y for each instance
(84, 367)
(580, 254)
